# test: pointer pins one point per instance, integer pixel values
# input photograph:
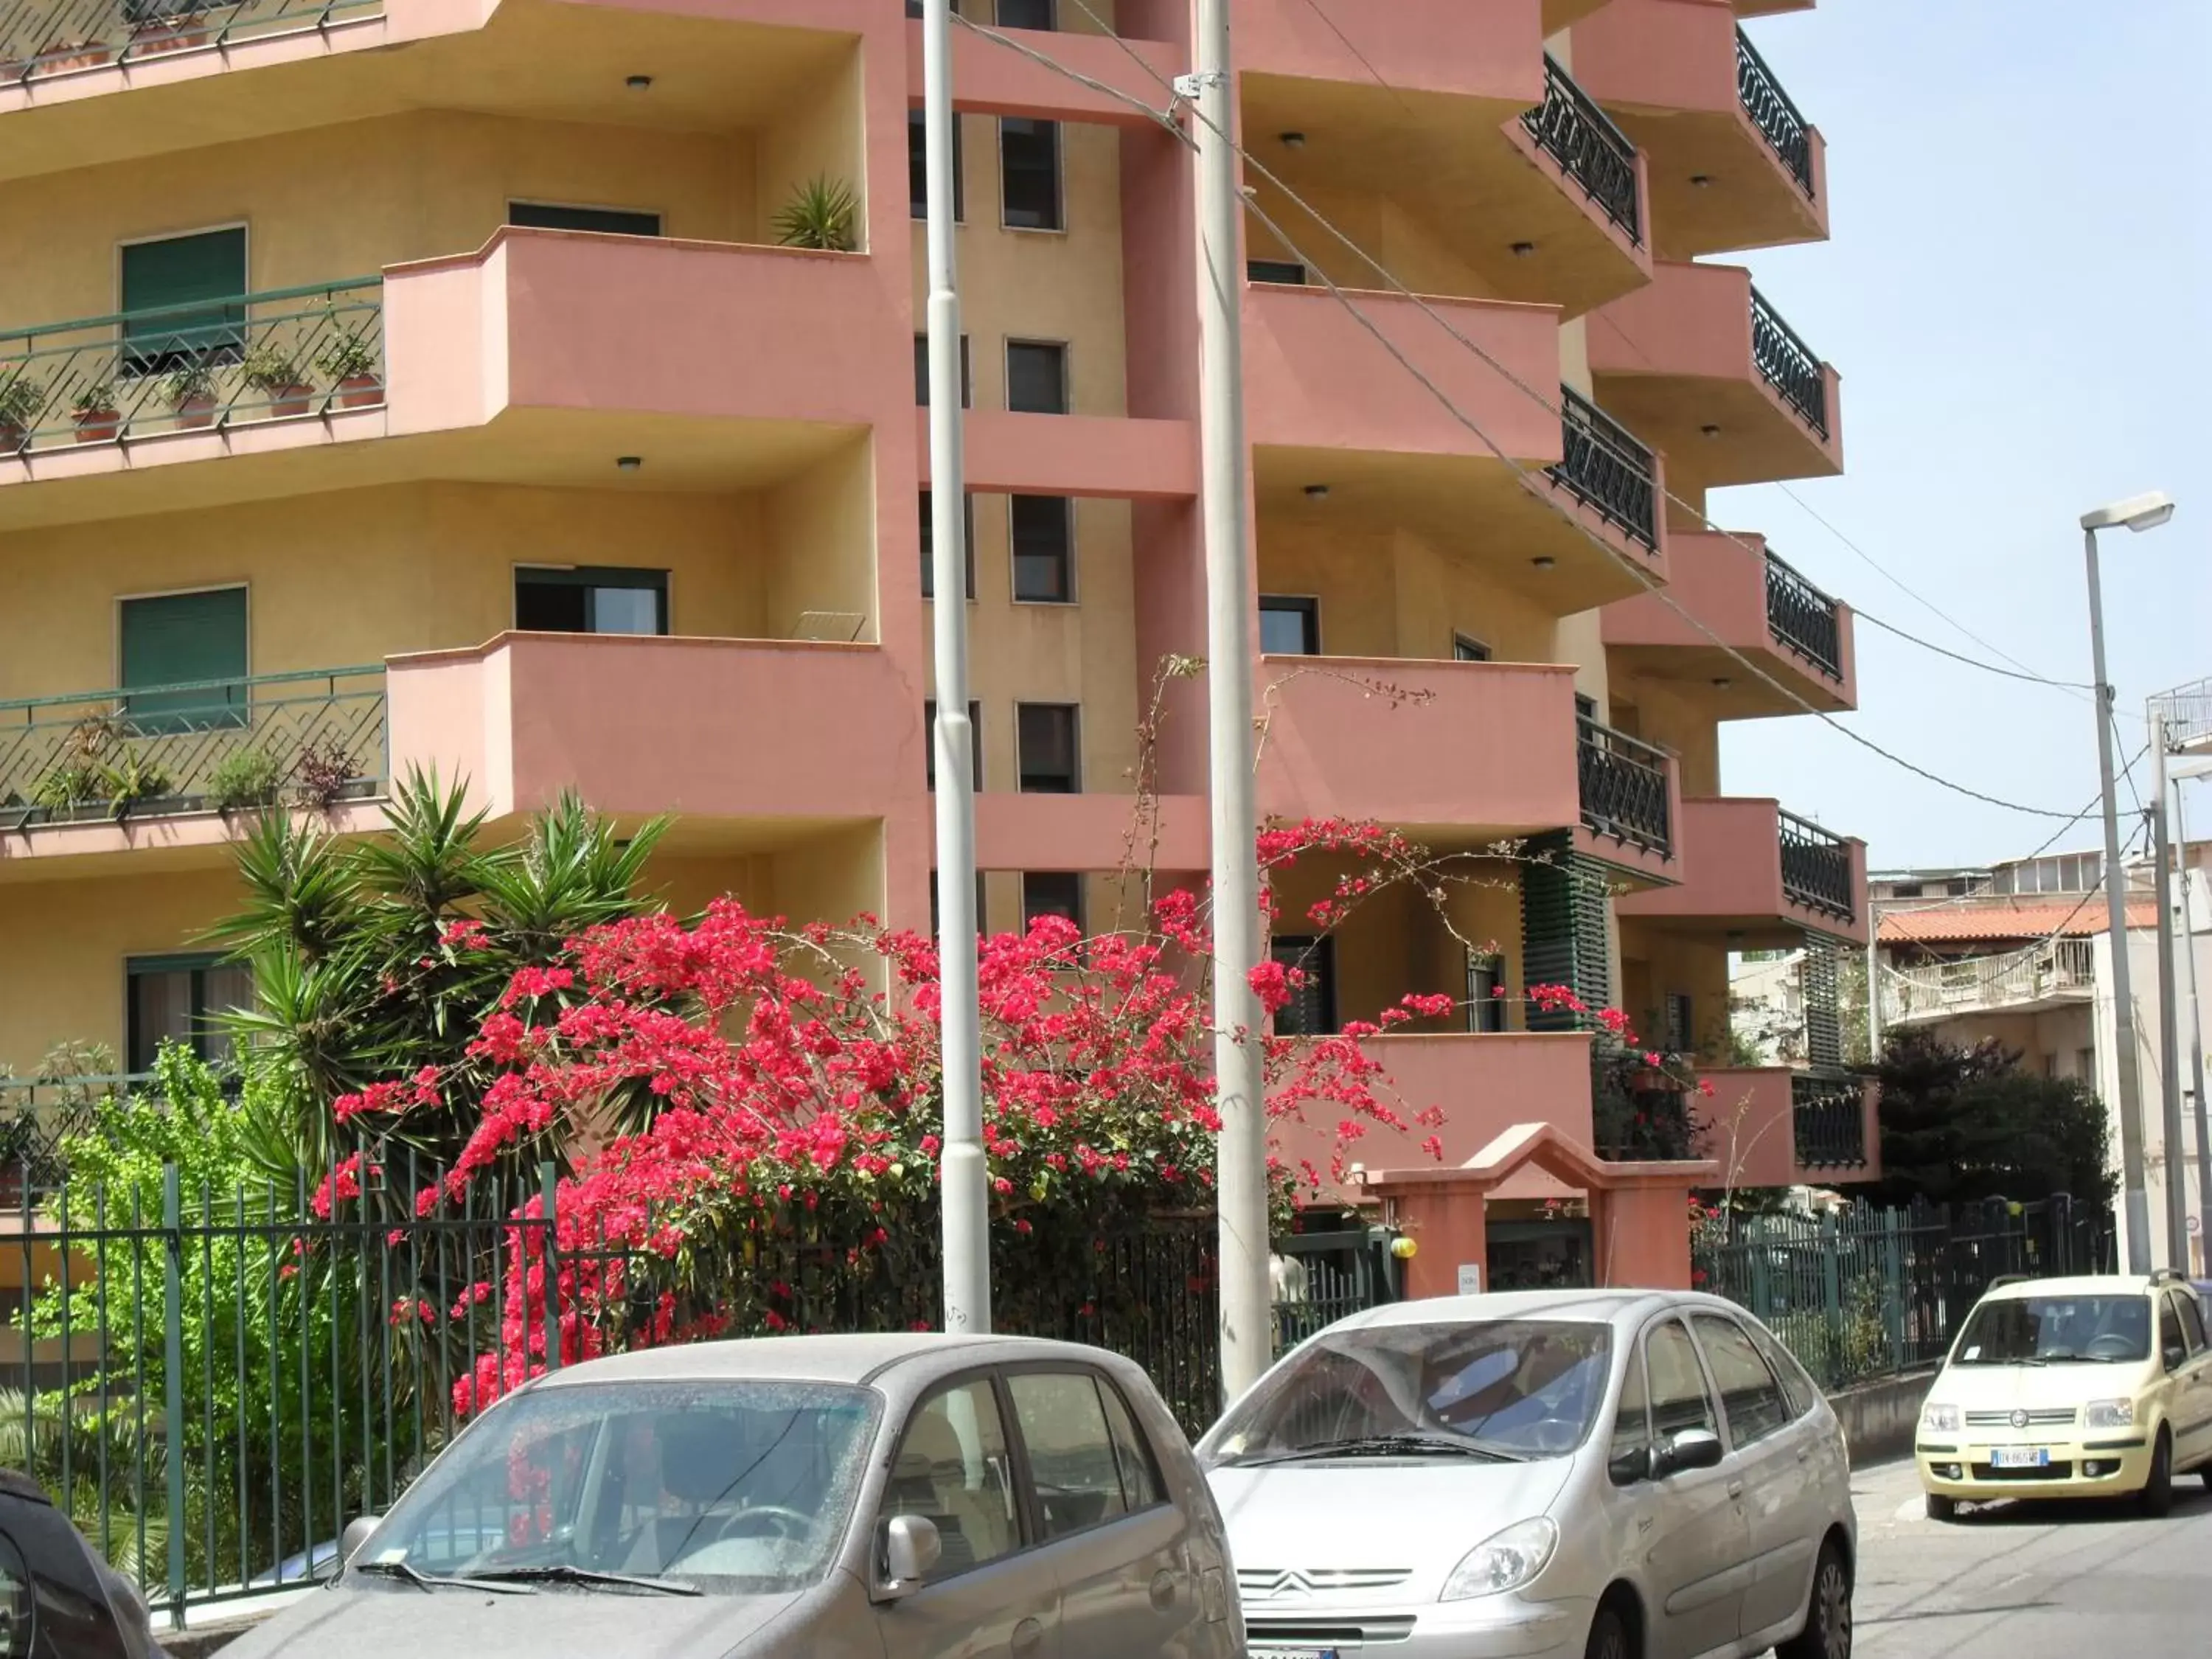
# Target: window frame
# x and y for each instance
(1485, 1013)
(917, 124)
(1028, 1529)
(928, 554)
(198, 963)
(582, 575)
(659, 217)
(1079, 918)
(1467, 648)
(1019, 1447)
(1675, 1316)
(1074, 711)
(1253, 267)
(1067, 557)
(1696, 1318)
(2169, 1309)
(244, 711)
(125, 367)
(1066, 373)
(1058, 177)
(1304, 606)
(1311, 949)
(921, 373)
(2190, 1310)
(1051, 12)
(1635, 1368)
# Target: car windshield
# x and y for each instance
(2022, 1330)
(728, 1487)
(1509, 1389)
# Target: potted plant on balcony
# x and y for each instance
(819, 214)
(280, 377)
(322, 773)
(190, 390)
(354, 364)
(21, 399)
(66, 55)
(159, 26)
(94, 411)
(244, 778)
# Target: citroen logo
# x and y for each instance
(2020, 1419)
(1282, 1583)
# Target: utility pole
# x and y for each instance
(2196, 1039)
(2169, 1041)
(964, 1189)
(1874, 987)
(1241, 1170)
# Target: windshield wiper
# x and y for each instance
(1393, 1445)
(425, 1581)
(563, 1573)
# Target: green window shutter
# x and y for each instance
(180, 639)
(181, 270)
(1562, 935)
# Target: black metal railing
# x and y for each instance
(1804, 619)
(1606, 468)
(1583, 139)
(1829, 1115)
(1788, 363)
(53, 37)
(1772, 114)
(1623, 788)
(1816, 868)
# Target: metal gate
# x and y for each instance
(1321, 1277)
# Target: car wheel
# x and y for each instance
(2206, 1474)
(1828, 1633)
(1608, 1637)
(1942, 1509)
(2156, 1499)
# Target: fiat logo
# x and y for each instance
(2020, 1419)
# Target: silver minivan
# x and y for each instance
(915, 1497)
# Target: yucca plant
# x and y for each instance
(821, 214)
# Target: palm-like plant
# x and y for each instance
(821, 214)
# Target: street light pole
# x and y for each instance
(963, 1191)
(1240, 1152)
(2144, 512)
(2169, 1026)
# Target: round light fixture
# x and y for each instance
(1722, 681)
(1317, 492)
(1543, 561)
(1522, 250)
(1294, 141)
(1709, 430)
(639, 83)
(629, 463)
(1701, 181)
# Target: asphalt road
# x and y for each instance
(2021, 1581)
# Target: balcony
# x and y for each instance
(1754, 604)
(1759, 876)
(2056, 974)
(1733, 162)
(1506, 167)
(1775, 1127)
(1706, 369)
(1627, 789)
(1350, 446)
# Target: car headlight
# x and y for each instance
(2110, 1415)
(1503, 1563)
(1940, 1419)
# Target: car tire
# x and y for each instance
(1608, 1637)
(1942, 1509)
(2156, 1499)
(2205, 1474)
(1828, 1633)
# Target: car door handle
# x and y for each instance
(1163, 1591)
(1735, 1489)
(1028, 1635)
(1805, 1452)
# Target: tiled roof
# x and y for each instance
(2019, 919)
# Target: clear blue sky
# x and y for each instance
(2016, 296)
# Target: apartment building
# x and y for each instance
(420, 382)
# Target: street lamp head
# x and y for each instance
(2137, 513)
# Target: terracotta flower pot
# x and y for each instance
(97, 426)
(358, 391)
(83, 56)
(290, 399)
(13, 438)
(175, 34)
(197, 410)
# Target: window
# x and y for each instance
(1628, 1457)
(1486, 993)
(1289, 627)
(607, 222)
(1051, 893)
(184, 639)
(1749, 1393)
(922, 373)
(974, 741)
(2085, 1064)
(181, 271)
(1140, 1471)
(2192, 1320)
(1798, 1391)
(1029, 167)
(929, 544)
(1044, 549)
(917, 167)
(1585, 708)
(1026, 14)
(1468, 650)
(1311, 1010)
(1036, 378)
(171, 1000)
(2170, 1339)
(1045, 736)
(1681, 1029)
(591, 600)
(1906, 889)
(952, 1467)
(1071, 1450)
(1286, 271)
(1679, 1399)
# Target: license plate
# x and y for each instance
(2019, 1457)
(1293, 1653)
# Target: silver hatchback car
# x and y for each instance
(1607, 1475)
(896, 1497)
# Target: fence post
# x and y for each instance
(1893, 1272)
(172, 1382)
(1832, 1276)
(548, 1186)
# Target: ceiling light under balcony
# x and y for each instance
(639, 83)
(1522, 250)
(1709, 430)
(1701, 181)
(1722, 683)
(1544, 561)
(1317, 492)
(1293, 140)
(629, 463)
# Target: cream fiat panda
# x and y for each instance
(2071, 1388)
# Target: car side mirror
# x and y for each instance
(911, 1547)
(1692, 1448)
(356, 1534)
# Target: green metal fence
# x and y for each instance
(210, 363)
(40, 38)
(309, 737)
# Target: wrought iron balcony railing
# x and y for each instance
(1829, 1114)
(40, 1115)
(1623, 788)
(1605, 467)
(312, 738)
(1804, 619)
(1583, 139)
(1772, 114)
(2057, 968)
(1816, 868)
(53, 37)
(171, 368)
(1789, 364)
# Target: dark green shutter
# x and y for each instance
(180, 639)
(1563, 929)
(181, 270)
(1824, 1025)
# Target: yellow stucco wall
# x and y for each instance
(1656, 964)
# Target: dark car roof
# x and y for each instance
(14, 1483)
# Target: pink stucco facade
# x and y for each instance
(1750, 1131)
(1732, 876)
